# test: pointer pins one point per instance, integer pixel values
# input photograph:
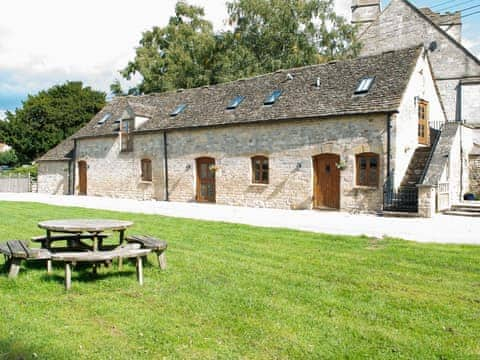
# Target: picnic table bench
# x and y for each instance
(17, 250)
(95, 257)
(154, 244)
(73, 240)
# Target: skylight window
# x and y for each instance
(364, 85)
(272, 98)
(179, 109)
(104, 119)
(237, 100)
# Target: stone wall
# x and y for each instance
(399, 26)
(471, 97)
(118, 174)
(474, 164)
(287, 145)
(53, 177)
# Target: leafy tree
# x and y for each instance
(290, 33)
(47, 118)
(176, 56)
(267, 35)
(8, 158)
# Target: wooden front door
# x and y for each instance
(82, 178)
(326, 192)
(205, 180)
(423, 123)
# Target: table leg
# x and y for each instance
(121, 236)
(68, 276)
(139, 270)
(48, 247)
(95, 241)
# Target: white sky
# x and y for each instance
(46, 42)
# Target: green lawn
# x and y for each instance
(235, 291)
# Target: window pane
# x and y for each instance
(363, 163)
(203, 170)
(265, 177)
(373, 163)
(362, 177)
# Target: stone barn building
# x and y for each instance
(342, 135)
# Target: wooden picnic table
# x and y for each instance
(95, 227)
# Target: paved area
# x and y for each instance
(440, 229)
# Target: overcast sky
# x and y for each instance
(43, 43)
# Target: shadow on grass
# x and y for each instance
(14, 349)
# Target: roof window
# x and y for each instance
(104, 119)
(364, 85)
(237, 100)
(272, 98)
(179, 109)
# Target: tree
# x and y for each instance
(290, 33)
(49, 117)
(8, 158)
(176, 56)
(267, 35)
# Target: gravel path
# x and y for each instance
(439, 229)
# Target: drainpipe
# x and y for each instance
(165, 163)
(74, 167)
(389, 144)
(461, 162)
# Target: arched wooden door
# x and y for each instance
(82, 178)
(326, 189)
(205, 179)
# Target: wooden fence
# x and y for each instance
(15, 183)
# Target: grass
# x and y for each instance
(235, 291)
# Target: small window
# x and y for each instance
(146, 170)
(178, 110)
(367, 169)
(126, 138)
(272, 98)
(237, 100)
(423, 123)
(364, 85)
(259, 170)
(104, 119)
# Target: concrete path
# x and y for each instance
(440, 229)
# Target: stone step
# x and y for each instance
(398, 214)
(464, 208)
(462, 213)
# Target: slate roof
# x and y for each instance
(61, 152)
(300, 97)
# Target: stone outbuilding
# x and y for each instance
(335, 136)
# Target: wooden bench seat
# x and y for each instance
(17, 250)
(96, 257)
(152, 243)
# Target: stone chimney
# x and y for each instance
(450, 22)
(364, 12)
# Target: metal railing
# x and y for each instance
(403, 199)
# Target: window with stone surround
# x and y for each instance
(146, 169)
(367, 169)
(126, 138)
(260, 170)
